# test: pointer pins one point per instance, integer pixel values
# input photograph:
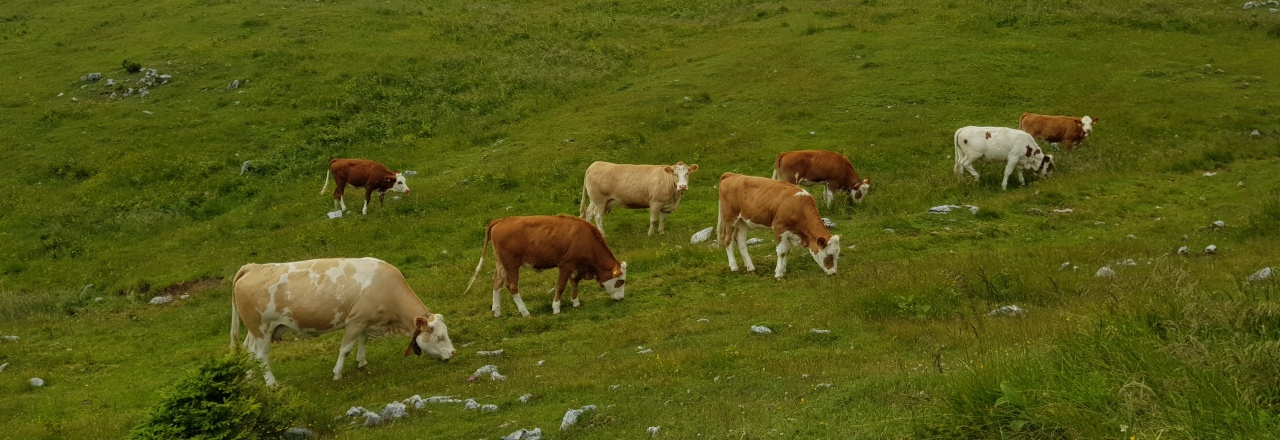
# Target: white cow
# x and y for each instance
(1015, 147)
(363, 296)
(657, 187)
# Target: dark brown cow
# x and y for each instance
(1065, 129)
(360, 173)
(568, 243)
(808, 167)
(747, 201)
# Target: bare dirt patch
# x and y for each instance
(192, 287)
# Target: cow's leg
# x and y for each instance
(784, 246)
(339, 196)
(968, 166)
(662, 222)
(728, 247)
(827, 195)
(741, 248)
(513, 286)
(1008, 170)
(261, 349)
(575, 292)
(350, 336)
(360, 362)
(654, 211)
(499, 276)
(368, 193)
(560, 283)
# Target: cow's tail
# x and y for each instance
(326, 182)
(582, 205)
(484, 249)
(957, 169)
(722, 230)
(777, 164)
(235, 315)
(1022, 122)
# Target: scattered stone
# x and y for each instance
(244, 167)
(91, 77)
(525, 434)
(1211, 250)
(540, 362)
(161, 300)
(1219, 224)
(471, 404)
(1063, 210)
(1240, 184)
(754, 241)
(701, 236)
(3, 366)
(1184, 237)
(11, 338)
(36, 382)
(410, 173)
(416, 401)
(824, 385)
(888, 230)
(525, 398)
(944, 209)
(1183, 251)
(1127, 262)
(372, 419)
(143, 92)
(642, 350)
(497, 352)
(703, 320)
(1135, 237)
(653, 430)
(491, 370)
(1105, 271)
(356, 411)
(298, 433)
(1009, 310)
(111, 82)
(488, 408)
(819, 331)
(394, 410)
(761, 329)
(234, 85)
(440, 399)
(571, 416)
(1255, 132)
(1261, 274)
(335, 214)
(1064, 266)
(828, 223)
(1210, 174)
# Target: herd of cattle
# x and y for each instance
(364, 296)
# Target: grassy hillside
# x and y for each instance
(499, 108)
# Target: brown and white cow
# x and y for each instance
(748, 201)
(657, 187)
(360, 296)
(808, 167)
(1065, 129)
(360, 173)
(565, 242)
(1016, 148)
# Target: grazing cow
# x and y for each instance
(565, 242)
(1065, 129)
(360, 173)
(808, 167)
(747, 201)
(362, 296)
(657, 187)
(993, 144)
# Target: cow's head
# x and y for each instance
(681, 171)
(396, 183)
(616, 285)
(860, 189)
(1086, 124)
(1046, 166)
(826, 251)
(431, 335)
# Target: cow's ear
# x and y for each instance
(424, 322)
(669, 170)
(822, 242)
(1028, 151)
(693, 168)
(413, 344)
(1079, 123)
(1095, 120)
(866, 181)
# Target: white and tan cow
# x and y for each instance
(1015, 147)
(1068, 130)
(360, 173)
(567, 243)
(833, 170)
(657, 187)
(748, 201)
(360, 296)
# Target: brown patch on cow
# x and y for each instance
(966, 142)
(988, 135)
(1028, 151)
(193, 287)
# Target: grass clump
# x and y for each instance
(219, 401)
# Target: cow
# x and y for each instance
(360, 296)
(657, 187)
(1065, 129)
(568, 243)
(993, 144)
(808, 167)
(360, 173)
(748, 201)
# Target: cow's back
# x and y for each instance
(545, 241)
(990, 143)
(755, 199)
(629, 184)
(317, 295)
(816, 166)
(357, 171)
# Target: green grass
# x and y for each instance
(500, 107)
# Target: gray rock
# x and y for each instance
(111, 82)
(298, 433)
(356, 411)
(1211, 250)
(1183, 251)
(571, 416)
(1261, 274)
(3, 366)
(410, 173)
(1255, 132)
(443, 399)
(372, 419)
(761, 329)
(1105, 272)
(488, 408)
(91, 77)
(701, 236)
(754, 241)
(234, 85)
(819, 331)
(471, 404)
(653, 430)
(36, 382)
(394, 410)
(497, 352)
(161, 300)
(416, 401)
(525, 434)
(244, 167)
(828, 223)
(525, 398)
(1065, 266)
(1009, 310)
(10, 338)
(1219, 224)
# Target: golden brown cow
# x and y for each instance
(1065, 129)
(747, 201)
(360, 173)
(808, 167)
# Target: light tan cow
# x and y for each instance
(542, 242)
(361, 296)
(748, 201)
(657, 187)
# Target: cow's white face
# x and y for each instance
(681, 172)
(861, 191)
(1086, 123)
(433, 337)
(827, 254)
(400, 186)
(617, 286)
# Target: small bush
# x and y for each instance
(219, 401)
(130, 66)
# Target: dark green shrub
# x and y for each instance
(218, 401)
(130, 66)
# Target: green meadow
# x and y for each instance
(110, 200)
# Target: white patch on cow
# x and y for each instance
(1087, 124)
(831, 251)
(366, 271)
(555, 307)
(337, 320)
(803, 193)
(497, 302)
(524, 311)
(334, 273)
(400, 186)
(616, 287)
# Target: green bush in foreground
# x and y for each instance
(219, 401)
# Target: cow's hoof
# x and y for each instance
(576, 304)
(363, 367)
(337, 376)
(496, 313)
